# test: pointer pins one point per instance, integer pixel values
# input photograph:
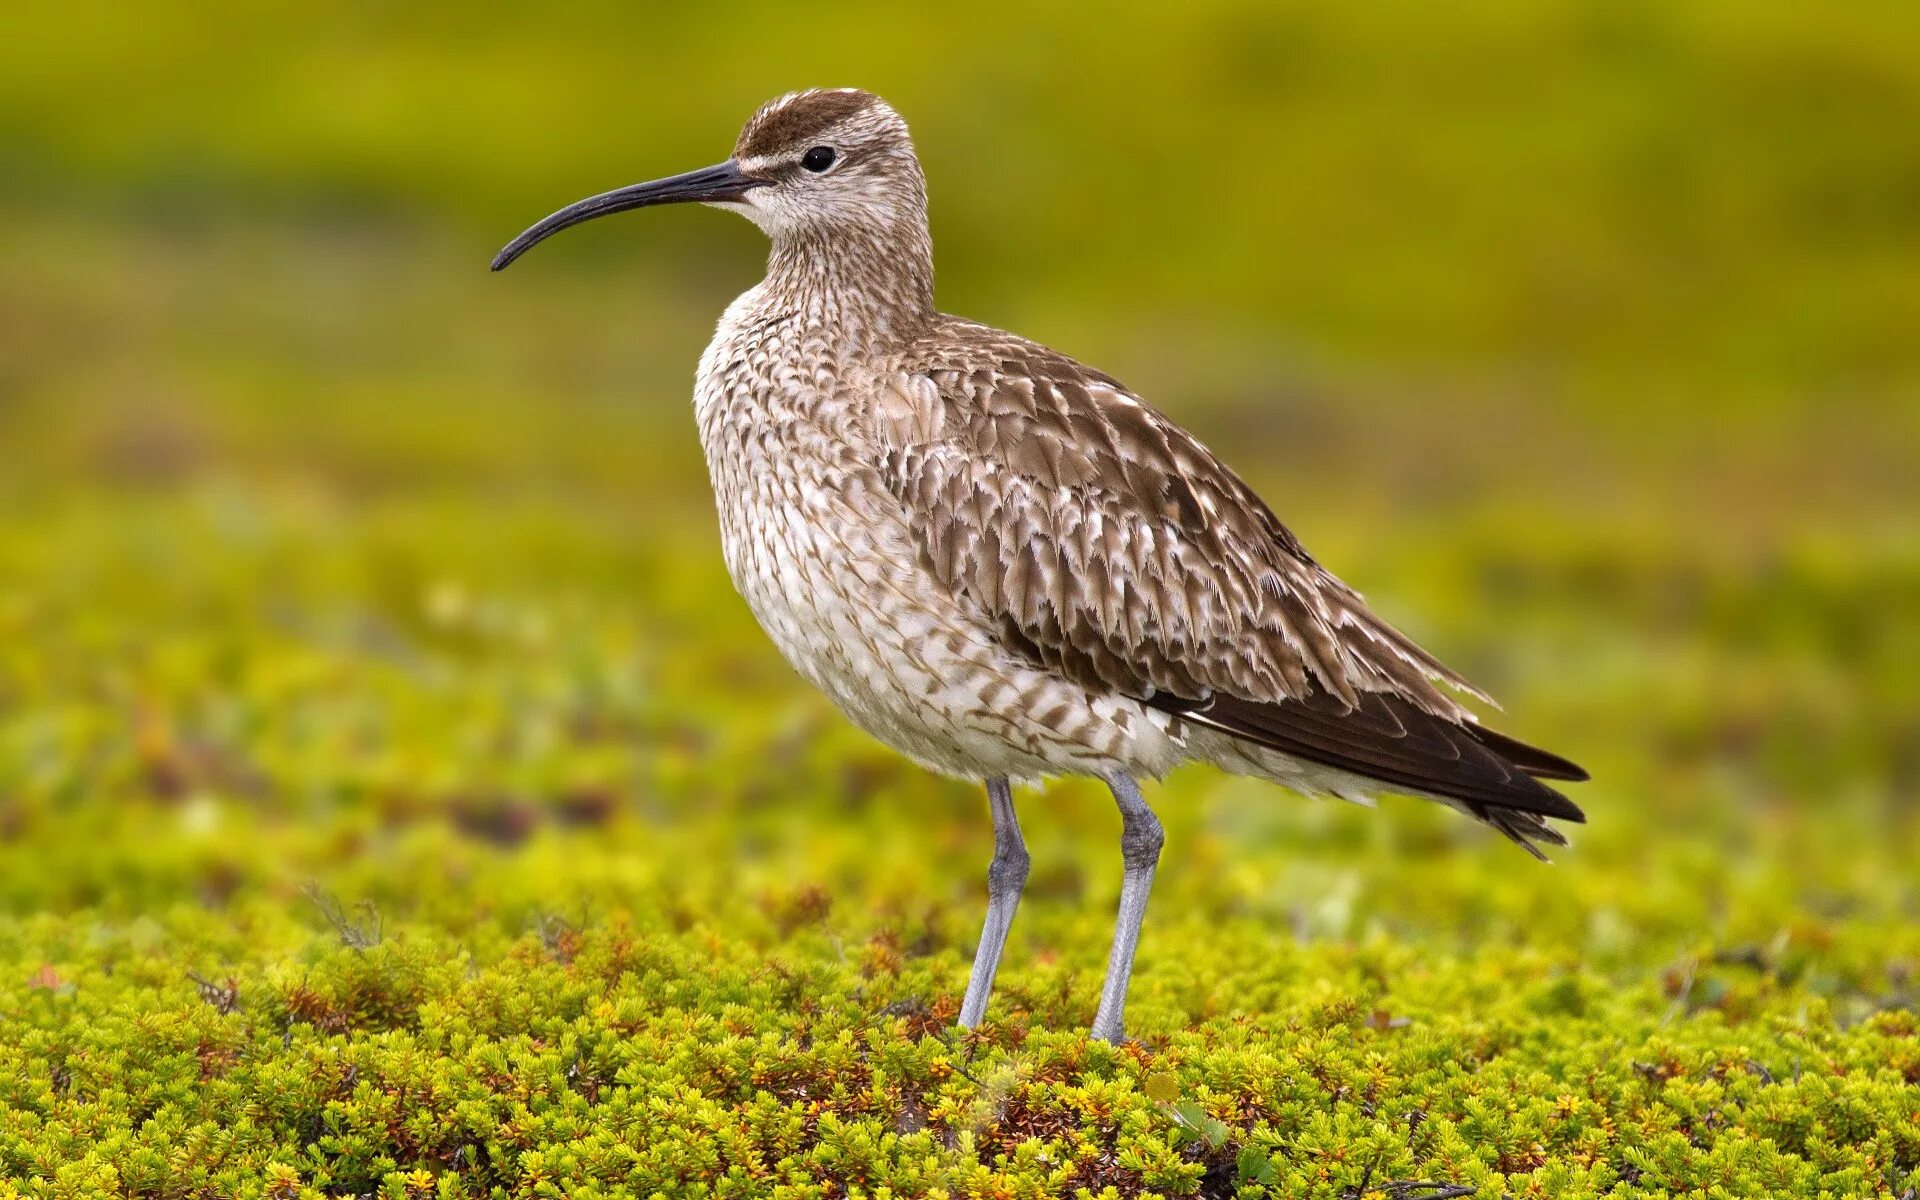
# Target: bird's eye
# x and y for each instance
(817, 159)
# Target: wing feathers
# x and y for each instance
(1108, 545)
(1534, 761)
(1388, 739)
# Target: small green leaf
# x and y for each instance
(1254, 1166)
(1195, 1119)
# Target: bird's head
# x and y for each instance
(808, 164)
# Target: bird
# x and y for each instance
(1008, 566)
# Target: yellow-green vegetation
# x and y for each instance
(395, 800)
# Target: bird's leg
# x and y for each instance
(1006, 877)
(1140, 841)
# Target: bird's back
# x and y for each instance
(1101, 540)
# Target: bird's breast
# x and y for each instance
(819, 549)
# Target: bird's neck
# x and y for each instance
(873, 285)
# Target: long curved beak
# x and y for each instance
(724, 182)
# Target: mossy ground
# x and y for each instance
(448, 852)
(394, 798)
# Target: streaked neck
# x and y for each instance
(874, 284)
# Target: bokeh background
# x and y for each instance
(1584, 338)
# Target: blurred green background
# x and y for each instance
(1584, 338)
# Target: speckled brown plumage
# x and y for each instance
(1006, 564)
(1104, 542)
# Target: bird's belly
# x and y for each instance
(828, 564)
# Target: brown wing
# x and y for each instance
(1386, 738)
(1108, 544)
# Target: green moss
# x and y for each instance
(579, 926)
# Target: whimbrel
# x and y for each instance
(1006, 565)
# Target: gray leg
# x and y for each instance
(1140, 841)
(1005, 878)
